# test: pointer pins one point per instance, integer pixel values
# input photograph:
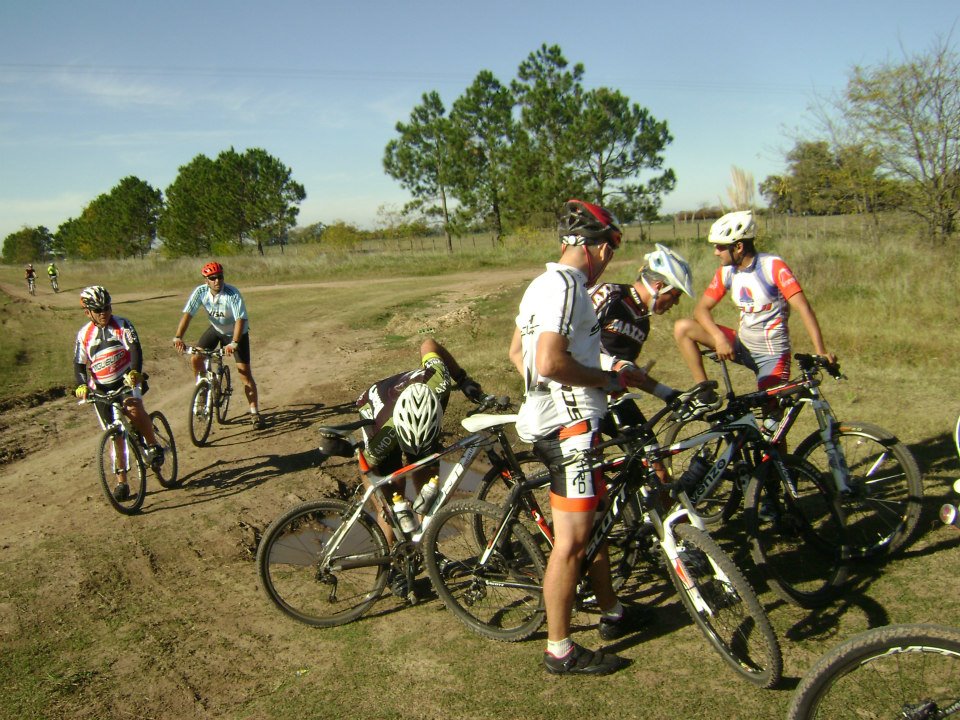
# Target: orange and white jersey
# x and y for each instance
(107, 351)
(761, 292)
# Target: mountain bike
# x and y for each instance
(895, 671)
(326, 562)
(488, 569)
(211, 396)
(122, 449)
(873, 475)
(54, 284)
(32, 285)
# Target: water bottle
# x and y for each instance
(694, 473)
(401, 508)
(769, 427)
(428, 492)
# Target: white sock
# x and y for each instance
(560, 648)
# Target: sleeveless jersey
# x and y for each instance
(761, 292)
(224, 308)
(378, 401)
(624, 322)
(557, 301)
(106, 351)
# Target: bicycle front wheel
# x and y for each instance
(895, 671)
(725, 607)
(224, 391)
(500, 598)
(315, 583)
(120, 456)
(796, 533)
(201, 413)
(166, 473)
(886, 489)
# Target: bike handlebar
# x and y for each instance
(488, 402)
(809, 363)
(193, 350)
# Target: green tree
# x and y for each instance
(420, 160)
(481, 132)
(29, 244)
(617, 142)
(217, 205)
(543, 170)
(909, 114)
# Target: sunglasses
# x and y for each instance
(211, 278)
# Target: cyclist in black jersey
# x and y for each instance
(624, 313)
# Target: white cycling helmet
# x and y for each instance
(416, 418)
(669, 267)
(733, 227)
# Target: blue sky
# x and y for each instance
(91, 92)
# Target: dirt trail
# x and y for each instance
(192, 544)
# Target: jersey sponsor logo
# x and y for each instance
(785, 278)
(746, 296)
(376, 403)
(106, 363)
(620, 327)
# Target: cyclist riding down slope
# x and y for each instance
(407, 410)
(765, 290)
(106, 356)
(556, 348)
(229, 328)
(624, 313)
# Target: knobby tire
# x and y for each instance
(136, 472)
(224, 391)
(201, 414)
(167, 473)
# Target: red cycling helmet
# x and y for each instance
(583, 223)
(213, 268)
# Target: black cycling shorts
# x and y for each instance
(211, 339)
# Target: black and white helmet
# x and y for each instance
(95, 297)
(583, 223)
(733, 227)
(416, 418)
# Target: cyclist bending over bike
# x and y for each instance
(229, 327)
(556, 348)
(765, 290)
(107, 355)
(407, 410)
(624, 313)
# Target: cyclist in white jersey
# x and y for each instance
(229, 328)
(556, 347)
(765, 290)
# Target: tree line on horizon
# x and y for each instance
(506, 156)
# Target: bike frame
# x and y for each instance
(212, 367)
(491, 431)
(120, 420)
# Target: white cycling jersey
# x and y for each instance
(224, 308)
(557, 301)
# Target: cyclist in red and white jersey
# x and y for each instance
(556, 348)
(229, 328)
(106, 356)
(765, 290)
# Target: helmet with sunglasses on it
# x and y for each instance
(583, 223)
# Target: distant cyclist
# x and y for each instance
(407, 410)
(765, 290)
(624, 313)
(53, 273)
(107, 356)
(30, 275)
(229, 328)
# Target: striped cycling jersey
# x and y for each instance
(761, 292)
(106, 351)
(224, 308)
(557, 301)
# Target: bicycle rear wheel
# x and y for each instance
(797, 539)
(896, 671)
(224, 391)
(166, 473)
(725, 607)
(886, 488)
(201, 413)
(501, 598)
(724, 499)
(294, 575)
(119, 452)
